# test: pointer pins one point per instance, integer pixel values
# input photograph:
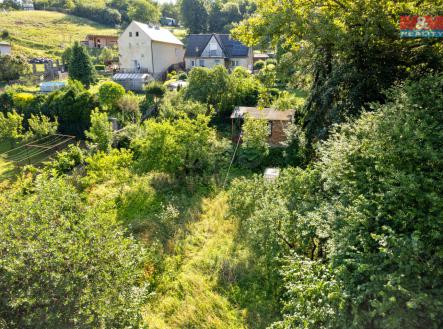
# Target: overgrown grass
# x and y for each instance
(47, 33)
(7, 168)
(188, 294)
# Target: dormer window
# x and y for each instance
(130, 34)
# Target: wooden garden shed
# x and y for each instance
(277, 122)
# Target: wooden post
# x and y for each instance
(232, 129)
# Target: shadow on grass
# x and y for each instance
(156, 206)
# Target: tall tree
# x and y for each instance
(350, 50)
(80, 66)
(195, 15)
(144, 11)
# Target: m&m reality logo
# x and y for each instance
(421, 26)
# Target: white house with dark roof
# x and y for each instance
(148, 49)
(209, 50)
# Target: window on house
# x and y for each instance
(212, 49)
(217, 62)
(192, 63)
(269, 128)
(136, 34)
(202, 62)
(130, 34)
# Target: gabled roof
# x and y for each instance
(196, 44)
(101, 36)
(265, 114)
(158, 34)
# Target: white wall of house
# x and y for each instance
(5, 49)
(191, 62)
(134, 48)
(166, 55)
(138, 52)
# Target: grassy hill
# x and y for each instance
(47, 33)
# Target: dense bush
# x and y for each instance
(12, 67)
(72, 106)
(66, 265)
(109, 93)
(104, 15)
(99, 67)
(100, 132)
(184, 146)
(361, 227)
(255, 147)
(217, 88)
(259, 65)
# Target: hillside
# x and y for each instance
(46, 33)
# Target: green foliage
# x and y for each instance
(22, 101)
(223, 15)
(388, 208)
(217, 88)
(12, 67)
(154, 92)
(175, 106)
(66, 160)
(41, 125)
(129, 107)
(80, 66)
(184, 146)
(170, 9)
(182, 76)
(144, 11)
(349, 51)
(109, 93)
(295, 145)
(259, 65)
(103, 166)
(358, 214)
(287, 101)
(194, 15)
(313, 295)
(268, 75)
(107, 55)
(66, 265)
(72, 106)
(11, 126)
(255, 147)
(100, 132)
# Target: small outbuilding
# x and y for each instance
(133, 81)
(278, 121)
(100, 41)
(5, 48)
(177, 85)
(49, 86)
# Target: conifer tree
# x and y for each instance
(80, 66)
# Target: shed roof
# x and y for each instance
(101, 36)
(261, 56)
(196, 44)
(131, 76)
(265, 114)
(159, 34)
